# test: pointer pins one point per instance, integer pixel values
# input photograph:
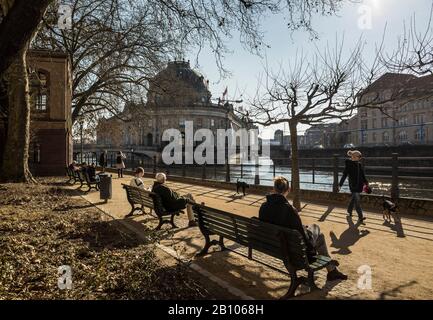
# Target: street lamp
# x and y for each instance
(81, 123)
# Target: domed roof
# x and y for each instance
(178, 83)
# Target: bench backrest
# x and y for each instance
(278, 242)
(146, 198)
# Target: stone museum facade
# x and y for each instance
(176, 95)
(51, 125)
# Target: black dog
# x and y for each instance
(389, 208)
(241, 184)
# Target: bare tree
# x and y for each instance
(414, 51)
(312, 90)
(115, 46)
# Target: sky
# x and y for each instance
(350, 23)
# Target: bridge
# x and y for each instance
(90, 152)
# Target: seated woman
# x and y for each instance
(171, 200)
(277, 210)
(136, 181)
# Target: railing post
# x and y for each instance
(184, 170)
(257, 172)
(154, 164)
(227, 171)
(203, 174)
(335, 183)
(313, 170)
(242, 169)
(395, 192)
(273, 169)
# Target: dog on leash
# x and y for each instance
(241, 185)
(389, 208)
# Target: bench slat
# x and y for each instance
(250, 234)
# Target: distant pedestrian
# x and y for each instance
(103, 160)
(120, 165)
(357, 181)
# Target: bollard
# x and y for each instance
(395, 192)
(335, 183)
(183, 170)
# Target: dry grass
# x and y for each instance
(42, 228)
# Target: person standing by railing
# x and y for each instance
(103, 160)
(357, 180)
(120, 165)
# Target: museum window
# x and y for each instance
(419, 135)
(419, 118)
(402, 136)
(41, 103)
(385, 137)
(403, 121)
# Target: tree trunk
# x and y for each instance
(16, 153)
(295, 187)
(18, 27)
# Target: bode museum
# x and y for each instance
(176, 94)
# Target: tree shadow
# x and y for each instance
(394, 292)
(347, 238)
(111, 235)
(326, 213)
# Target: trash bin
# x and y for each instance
(105, 187)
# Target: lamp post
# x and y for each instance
(81, 122)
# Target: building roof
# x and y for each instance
(47, 53)
(390, 81)
(405, 84)
(178, 84)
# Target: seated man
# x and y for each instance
(91, 171)
(277, 210)
(136, 181)
(171, 200)
(74, 166)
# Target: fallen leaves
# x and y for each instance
(43, 227)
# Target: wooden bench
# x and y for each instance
(70, 174)
(146, 199)
(77, 176)
(278, 242)
(91, 184)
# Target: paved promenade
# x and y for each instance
(400, 257)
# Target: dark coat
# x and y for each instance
(277, 210)
(103, 160)
(171, 200)
(91, 171)
(355, 172)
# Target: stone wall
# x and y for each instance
(407, 206)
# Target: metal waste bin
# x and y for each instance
(105, 187)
